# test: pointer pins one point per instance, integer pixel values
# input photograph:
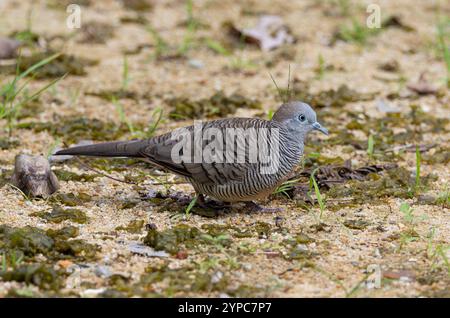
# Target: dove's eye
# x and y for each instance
(302, 118)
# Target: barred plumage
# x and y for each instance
(221, 179)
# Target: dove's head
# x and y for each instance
(299, 118)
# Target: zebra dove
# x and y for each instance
(225, 180)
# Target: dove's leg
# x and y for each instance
(200, 199)
(251, 207)
(212, 204)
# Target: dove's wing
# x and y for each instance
(161, 151)
(236, 134)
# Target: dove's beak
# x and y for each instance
(319, 127)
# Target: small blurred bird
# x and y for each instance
(226, 180)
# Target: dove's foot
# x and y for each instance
(252, 207)
(211, 204)
(209, 208)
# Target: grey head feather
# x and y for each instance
(299, 118)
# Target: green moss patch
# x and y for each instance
(96, 32)
(29, 254)
(70, 199)
(329, 98)
(183, 236)
(218, 105)
(43, 276)
(138, 5)
(64, 175)
(53, 244)
(393, 183)
(58, 215)
(134, 227)
(63, 64)
(6, 144)
(356, 224)
(72, 130)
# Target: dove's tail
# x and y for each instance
(131, 148)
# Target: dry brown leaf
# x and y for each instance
(270, 33)
(423, 87)
(399, 274)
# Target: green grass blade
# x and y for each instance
(217, 47)
(418, 162)
(280, 93)
(156, 119)
(125, 73)
(36, 94)
(38, 65)
(317, 192)
(444, 47)
(4, 264)
(190, 206)
(370, 146)
(122, 116)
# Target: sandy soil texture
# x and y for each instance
(381, 232)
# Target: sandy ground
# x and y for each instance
(342, 258)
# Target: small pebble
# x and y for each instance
(102, 271)
(196, 64)
(91, 293)
(216, 277)
(140, 249)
